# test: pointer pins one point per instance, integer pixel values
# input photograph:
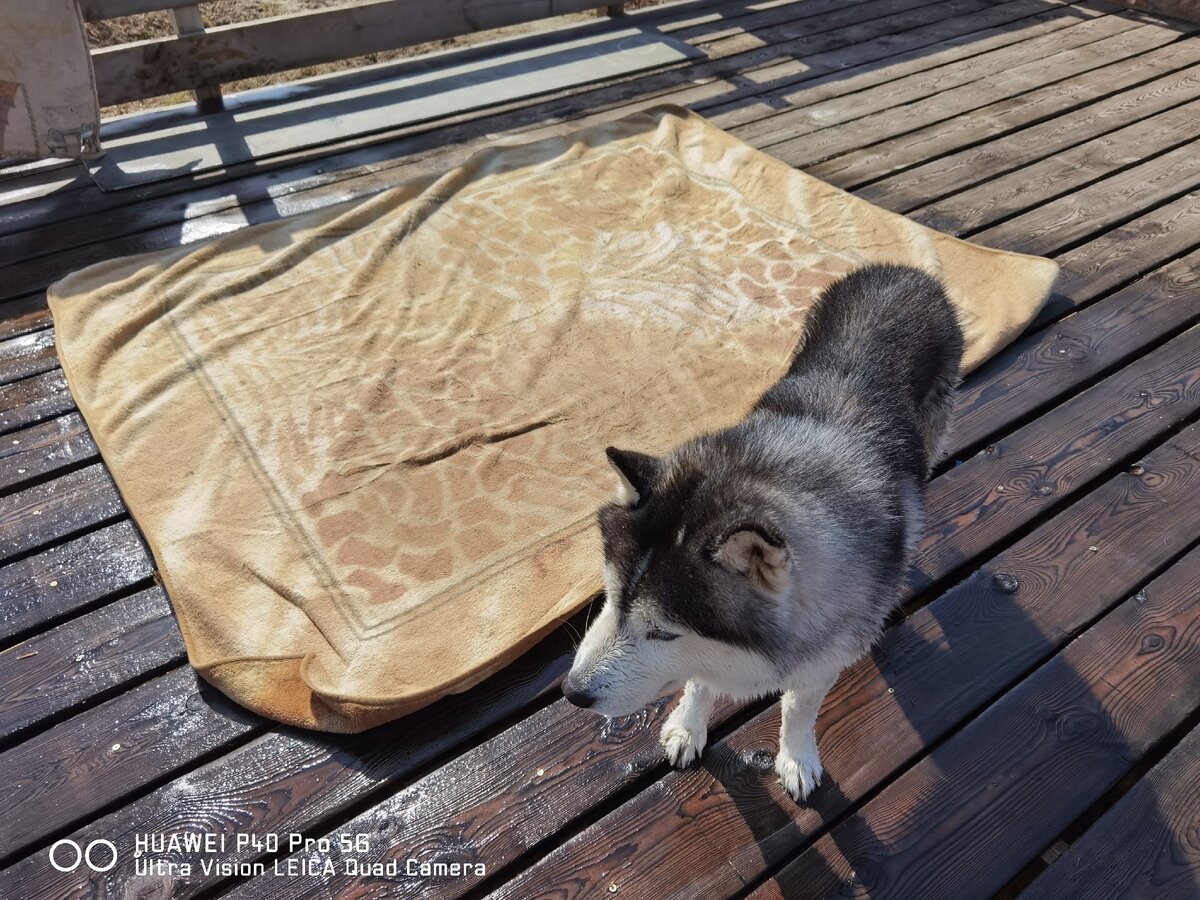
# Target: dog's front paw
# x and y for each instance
(799, 774)
(683, 745)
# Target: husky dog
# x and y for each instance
(764, 558)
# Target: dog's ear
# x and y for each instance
(760, 554)
(635, 474)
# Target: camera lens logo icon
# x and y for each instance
(67, 856)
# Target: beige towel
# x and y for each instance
(366, 443)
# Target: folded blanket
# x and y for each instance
(365, 444)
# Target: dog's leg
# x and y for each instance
(685, 732)
(798, 763)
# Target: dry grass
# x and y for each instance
(147, 26)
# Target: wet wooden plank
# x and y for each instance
(33, 400)
(1145, 846)
(86, 658)
(278, 780)
(1024, 769)
(49, 512)
(44, 449)
(71, 577)
(970, 508)
(156, 730)
(714, 828)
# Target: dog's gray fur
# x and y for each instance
(765, 557)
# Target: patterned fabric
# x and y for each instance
(366, 444)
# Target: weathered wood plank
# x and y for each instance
(24, 315)
(281, 776)
(86, 658)
(30, 354)
(810, 117)
(44, 449)
(265, 46)
(121, 212)
(790, 86)
(1040, 369)
(1116, 118)
(70, 577)
(1145, 846)
(1125, 252)
(828, 142)
(1047, 750)
(463, 799)
(49, 512)
(1103, 204)
(923, 149)
(1122, 438)
(70, 214)
(38, 273)
(33, 400)
(712, 829)
(1188, 10)
(151, 732)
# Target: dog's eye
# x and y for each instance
(657, 634)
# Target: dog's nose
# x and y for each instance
(579, 698)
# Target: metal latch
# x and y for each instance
(77, 143)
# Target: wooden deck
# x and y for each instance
(1030, 724)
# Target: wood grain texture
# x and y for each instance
(906, 48)
(72, 576)
(488, 799)
(78, 219)
(33, 400)
(52, 446)
(942, 665)
(1106, 202)
(1062, 173)
(1145, 846)
(1070, 731)
(1125, 417)
(1040, 43)
(1113, 43)
(153, 731)
(1039, 369)
(82, 660)
(1112, 115)
(30, 354)
(843, 26)
(921, 150)
(265, 46)
(286, 779)
(713, 829)
(49, 512)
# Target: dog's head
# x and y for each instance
(699, 569)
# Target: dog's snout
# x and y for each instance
(581, 698)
